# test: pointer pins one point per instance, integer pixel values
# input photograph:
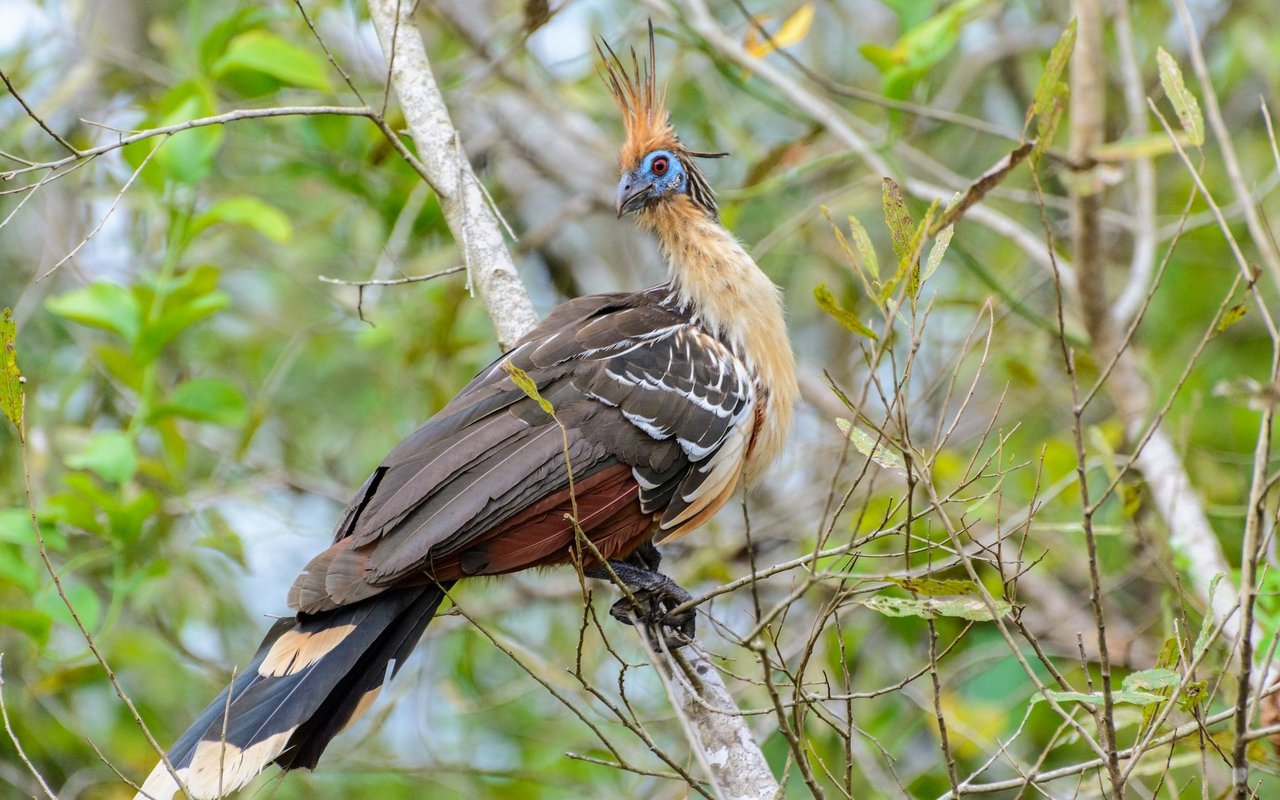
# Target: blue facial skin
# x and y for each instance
(659, 175)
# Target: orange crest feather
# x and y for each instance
(643, 106)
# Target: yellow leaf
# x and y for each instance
(793, 30)
(527, 385)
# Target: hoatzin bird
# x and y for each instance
(669, 397)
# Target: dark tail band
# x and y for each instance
(311, 678)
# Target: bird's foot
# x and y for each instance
(652, 598)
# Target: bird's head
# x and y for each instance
(656, 168)
(658, 176)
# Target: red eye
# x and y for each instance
(660, 165)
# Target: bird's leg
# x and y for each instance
(654, 596)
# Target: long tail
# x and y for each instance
(310, 678)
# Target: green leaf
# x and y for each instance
(18, 570)
(100, 305)
(186, 300)
(909, 267)
(250, 212)
(35, 624)
(936, 252)
(1184, 102)
(526, 384)
(1193, 694)
(15, 527)
(215, 42)
(1168, 658)
(187, 156)
(934, 38)
(1131, 495)
(1208, 623)
(205, 400)
(1156, 678)
(10, 378)
(940, 243)
(898, 218)
(907, 240)
(1231, 317)
(1047, 123)
(970, 608)
(862, 243)
(936, 587)
(266, 53)
(1095, 698)
(1126, 149)
(868, 445)
(109, 454)
(1051, 88)
(880, 56)
(828, 303)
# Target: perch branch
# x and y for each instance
(470, 217)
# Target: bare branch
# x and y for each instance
(30, 113)
(201, 122)
(13, 737)
(473, 223)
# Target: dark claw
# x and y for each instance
(654, 596)
(651, 610)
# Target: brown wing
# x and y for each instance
(656, 414)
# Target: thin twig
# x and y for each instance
(362, 285)
(30, 113)
(17, 745)
(106, 215)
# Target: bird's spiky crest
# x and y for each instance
(648, 124)
(643, 105)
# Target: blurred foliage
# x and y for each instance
(199, 404)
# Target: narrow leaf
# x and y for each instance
(862, 243)
(793, 30)
(1156, 678)
(1207, 625)
(936, 587)
(910, 266)
(844, 244)
(867, 444)
(1095, 698)
(526, 384)
(1129, 148)
(1047, 122)
(1184, 102)
(11, 379)
(936, 252)
(970, 608)
(828, 303)
(1231, 317)
(1051, 79)
(898, 218)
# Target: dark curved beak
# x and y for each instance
(632, 192)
